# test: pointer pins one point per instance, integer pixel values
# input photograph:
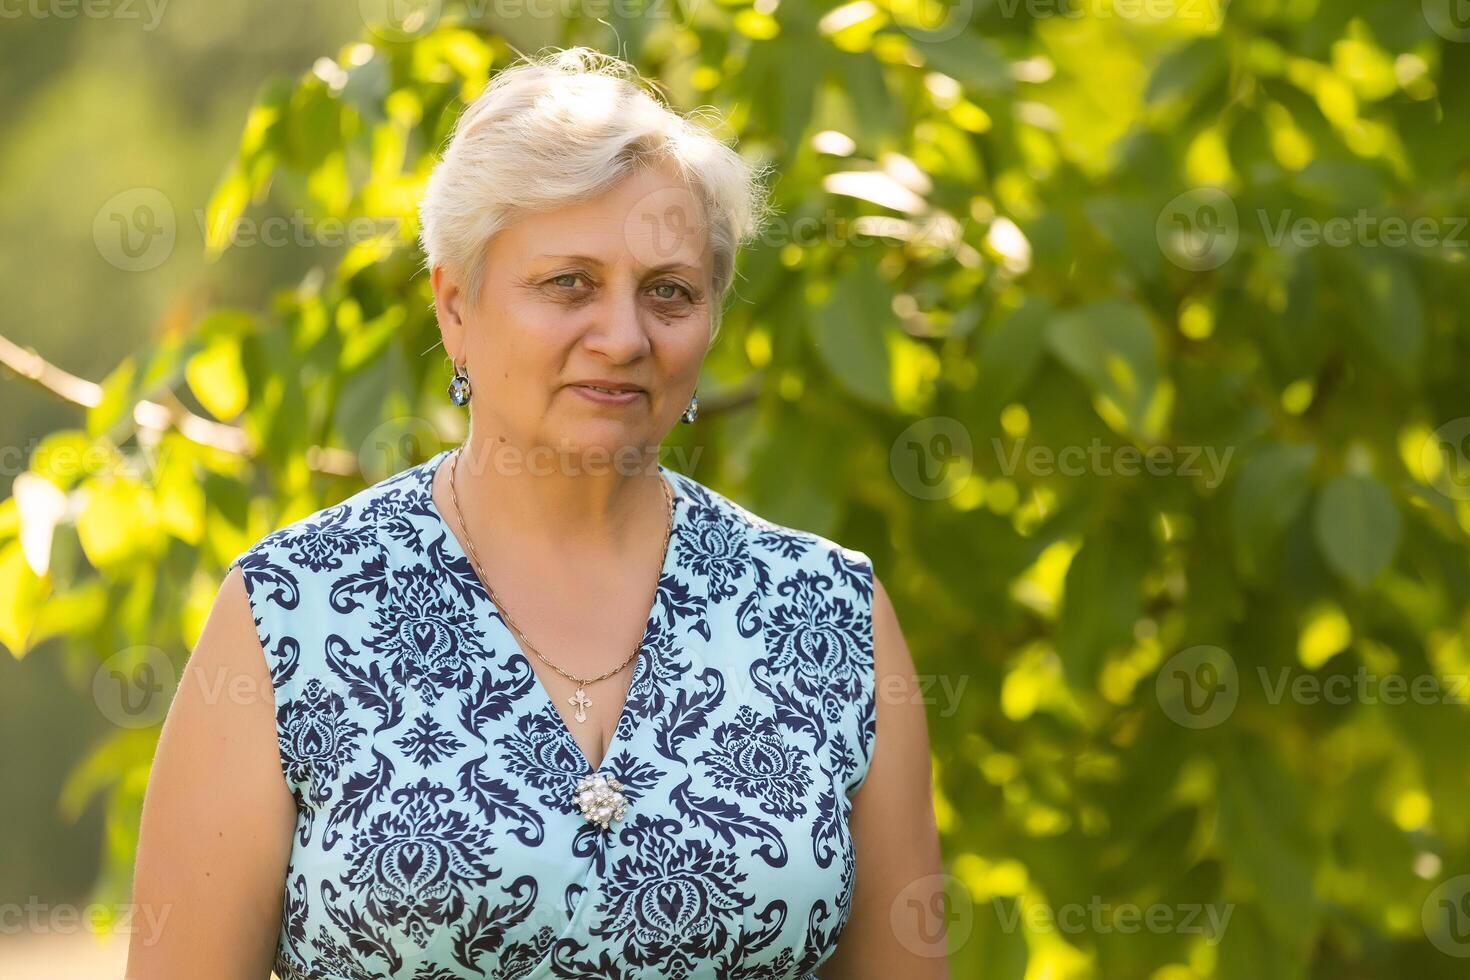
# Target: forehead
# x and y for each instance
(649, 219)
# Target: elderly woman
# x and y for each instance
(540, 706)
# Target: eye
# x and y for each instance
(573, 276)
(676, 287)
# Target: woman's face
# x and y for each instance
(613, 290)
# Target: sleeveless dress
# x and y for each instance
(438, 834)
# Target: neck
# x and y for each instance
(531, 499)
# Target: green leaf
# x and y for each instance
(849, 332)
(117, 521)
(1128, 224)
(21, 592)
(1357, 527)
(76, 611)
(1010, 352)
(866, 85)
(1391, 315)
(977, 63)
(1261, 825)
(313, 127)
(1102, 599)
(217, 379)
(1186, 70)
(1111, 346)
(63, 457)
(104, 766)
(117, 399)
(226, 205)
(1270, 492)
(1250, 951)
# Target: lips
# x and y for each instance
(611, 387)
(611, 391)
(599, 395)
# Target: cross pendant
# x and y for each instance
(582, 702)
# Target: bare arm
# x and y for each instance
(210, 874)
(896, 926)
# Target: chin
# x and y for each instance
(604, 446)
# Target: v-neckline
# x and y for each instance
(627, 717)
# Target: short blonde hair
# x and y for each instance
(559, 127)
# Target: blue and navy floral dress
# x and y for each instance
(438, 832)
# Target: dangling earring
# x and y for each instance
(692, 412)
(459, 387)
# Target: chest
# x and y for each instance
(435, 766)
(453, 837)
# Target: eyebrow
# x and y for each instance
(593, 260)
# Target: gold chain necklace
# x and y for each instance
(580, 698)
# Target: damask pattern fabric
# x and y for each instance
(437, 834)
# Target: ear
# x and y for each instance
(449, 306)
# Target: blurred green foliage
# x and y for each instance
(1019, 258)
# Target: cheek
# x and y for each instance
(687, 344)
(526, 352)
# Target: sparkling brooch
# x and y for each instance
(600, 799)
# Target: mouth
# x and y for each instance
(606, 395)
(611, 389)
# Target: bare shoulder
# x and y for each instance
(897, 873)
(893, 662)
(218, 816)
(901, 744)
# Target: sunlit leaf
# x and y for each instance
(217, 380)
(21, 591)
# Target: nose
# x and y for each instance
(617, 331)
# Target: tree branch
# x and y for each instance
(156, 416)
